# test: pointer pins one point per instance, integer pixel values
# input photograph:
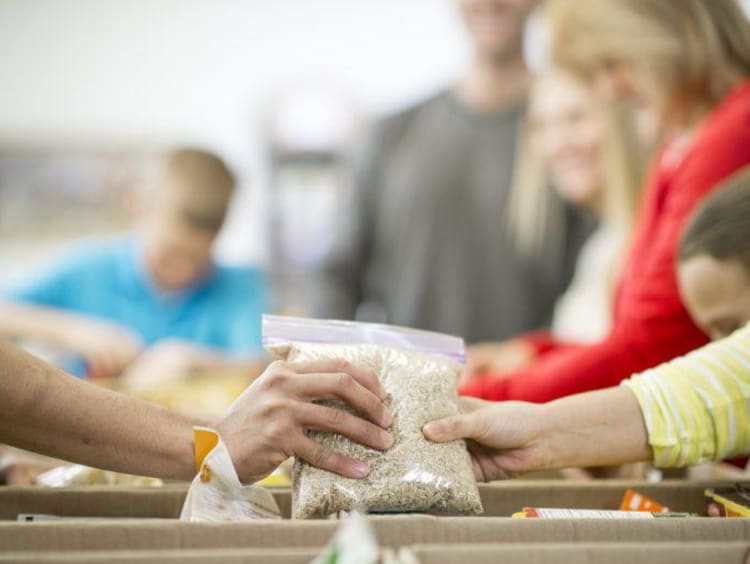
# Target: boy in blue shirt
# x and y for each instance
(154, 299)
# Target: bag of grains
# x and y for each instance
(419, 371)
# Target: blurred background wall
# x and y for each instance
(119, 79)
(92, 88)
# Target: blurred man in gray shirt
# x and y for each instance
(424, 243)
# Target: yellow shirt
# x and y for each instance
(697, 407)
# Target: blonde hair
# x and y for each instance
(195, 186)
(534, 212)
(691, 52)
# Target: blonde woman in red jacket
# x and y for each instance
(688, 64)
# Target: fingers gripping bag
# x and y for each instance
(419, 371)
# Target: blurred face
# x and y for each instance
(177, 256)
(496, 26)
(716, 294)
(567, 131)
(615, 80)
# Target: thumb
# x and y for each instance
(450, 428)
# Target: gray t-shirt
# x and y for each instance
(425, 239)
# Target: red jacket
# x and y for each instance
(650, 324)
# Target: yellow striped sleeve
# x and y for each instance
(697, 407)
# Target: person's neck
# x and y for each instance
(595, 206)
(492, 85)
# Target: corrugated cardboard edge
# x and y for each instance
(500, 499)
(392, 531)
(549, 553)
(227, 556)
(589, 553)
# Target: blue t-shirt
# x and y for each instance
(107, 280)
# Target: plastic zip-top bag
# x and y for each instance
(419, 370)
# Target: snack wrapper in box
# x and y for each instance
(635, 501)
(560, 513)
(728, 502)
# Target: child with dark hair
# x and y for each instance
(714, 260)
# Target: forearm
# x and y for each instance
(541, 341)
(47, 411)
(570, 371)
(172, 360)
(598, 428)
(37, 322)
(683, 412)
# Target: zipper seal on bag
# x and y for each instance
(280, 329)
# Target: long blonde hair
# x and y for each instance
(534, 213)
(690, 52)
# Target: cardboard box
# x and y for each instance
(391, 531)
(612, 553)
(550, 553)
(107, 501)
(500, 499)
(93, 501)
(232, 556)
(282, 542)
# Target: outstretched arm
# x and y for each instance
(107, 347)
(692, 409)
(45, 410)
(510, 438)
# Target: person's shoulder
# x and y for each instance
(720, 147)
(92, 252)
(239, 277)
(424, 103)
(75, 271)
(729, 128)
(393, 122)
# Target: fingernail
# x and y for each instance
(386, 439)
(431, 430)
(360, 470)
(387, 419)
